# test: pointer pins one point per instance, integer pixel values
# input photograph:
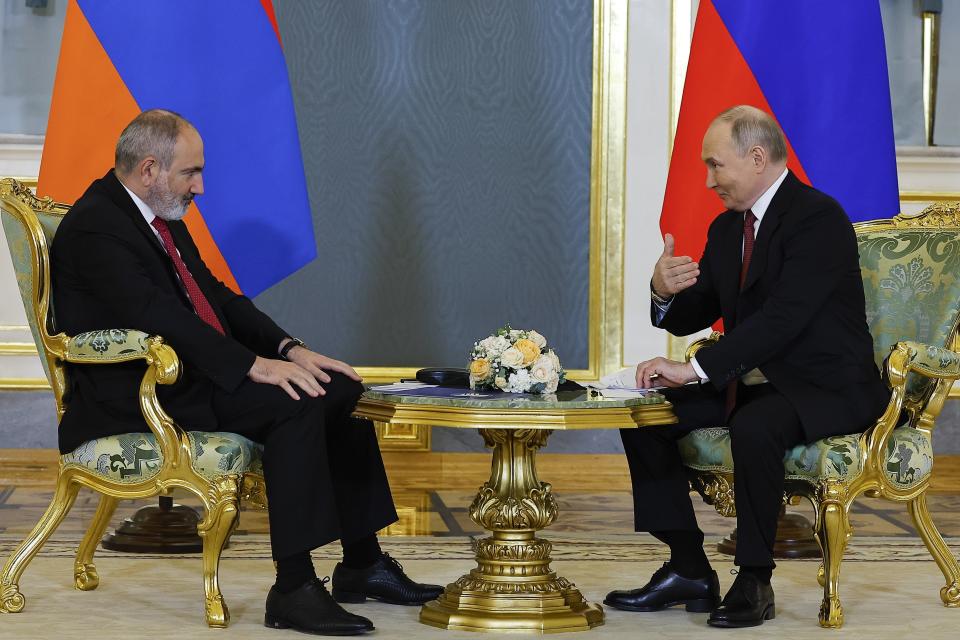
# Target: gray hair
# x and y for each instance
(152, 133)
(752, 127)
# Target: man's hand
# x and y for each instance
(665, 373)
(671, 275)
(285, 375)
(316, 364)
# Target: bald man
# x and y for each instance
(781, 269)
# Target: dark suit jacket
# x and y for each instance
(800, 317)
(110, 271)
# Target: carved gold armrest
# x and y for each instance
(111, 346)
(912, 357)
(696, 345)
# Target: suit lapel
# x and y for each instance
(771, 220)
(123, 200)
(126, 204)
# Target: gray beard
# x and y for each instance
(166, 205)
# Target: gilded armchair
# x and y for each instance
(219, 468)
(911, 275)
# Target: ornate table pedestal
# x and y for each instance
(513, 588)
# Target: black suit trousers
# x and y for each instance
(763, 426)
(324, 473)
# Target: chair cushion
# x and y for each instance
(135, 457)
(909, 456)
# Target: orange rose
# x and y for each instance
(480, 369)
(529, 349)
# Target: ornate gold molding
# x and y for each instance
(24, 384)
(403, 437)
(18, 349)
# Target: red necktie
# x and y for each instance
(748, 232)
(200, 303)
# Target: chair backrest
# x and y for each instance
(29, 224)
(910, 266)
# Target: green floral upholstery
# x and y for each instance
(108, 344)
(911, 278)
(135, 457)
(909, 457)
(18, 240)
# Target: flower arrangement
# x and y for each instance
(515, 361)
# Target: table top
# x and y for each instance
(582, 409)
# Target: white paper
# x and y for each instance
(402, 386)
(625, 393)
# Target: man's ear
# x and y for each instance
(758, 156)
(148, 169)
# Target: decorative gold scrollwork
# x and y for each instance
(537, 510)
(469, 583)
(716, 491)
(537, 550)
(12, 188)
(11, 600)
(254, 490)
(938, 214)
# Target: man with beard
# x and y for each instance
(122, 257)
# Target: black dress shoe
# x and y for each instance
(384, 580)
(310, 609)
(667, 588)
(748, 603)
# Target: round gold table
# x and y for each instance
(513, 587)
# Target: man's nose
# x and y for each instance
(711, 182)
(197, 187)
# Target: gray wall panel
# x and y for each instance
(447, 152)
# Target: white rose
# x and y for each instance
(511, 358)
(501, 383)
(537, 339)
(515, 333)
(543, 370)
(552, 384)
(554, 359)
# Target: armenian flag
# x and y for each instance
(220, 64)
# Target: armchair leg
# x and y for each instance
(11, 600)
(85, 576)
(221, 517)
(833, 531)
(950, 594)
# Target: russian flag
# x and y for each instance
(820, 68)
(218, 63)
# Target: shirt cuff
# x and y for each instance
(696, 367)
(662, 305)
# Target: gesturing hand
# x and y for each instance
(285, 375)
(663, 372)
(671, 275)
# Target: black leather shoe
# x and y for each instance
(310, 609)
(384, 580)
(748, 603)
(667, 588)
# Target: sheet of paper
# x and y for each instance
(626, 393)
(625, 378)
(402, 386)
